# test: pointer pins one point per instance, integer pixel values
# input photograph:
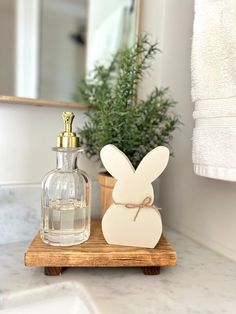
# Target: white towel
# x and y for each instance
(214, 89)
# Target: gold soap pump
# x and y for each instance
(67, 138)
(66, 193)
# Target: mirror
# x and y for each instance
(47, 46)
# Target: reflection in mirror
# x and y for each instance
(47, 46)
(7, 47)
(63, 47)
(112, 26)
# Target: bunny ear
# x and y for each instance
(153, 164)
(116, 162)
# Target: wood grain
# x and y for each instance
(41, 102)
(97, 253)
(53, 271)
(106, 183)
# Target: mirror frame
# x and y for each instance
(54, 102)
(41, 102)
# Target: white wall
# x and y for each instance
(151, 23)
(27, 135)
(201, 208)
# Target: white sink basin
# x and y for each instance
(64, 298)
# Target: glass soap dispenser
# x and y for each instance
(66, 194)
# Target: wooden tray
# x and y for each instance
(97, 253)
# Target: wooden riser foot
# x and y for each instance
(151, 270)
(56, 271)
(53, 271)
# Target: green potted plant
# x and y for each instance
(117, 116)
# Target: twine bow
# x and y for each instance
(147, 202)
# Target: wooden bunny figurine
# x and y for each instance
(132, 219)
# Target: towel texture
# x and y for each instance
(214, 89)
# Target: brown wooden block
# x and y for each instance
(53, 271)
(96, 252)
(151, 270)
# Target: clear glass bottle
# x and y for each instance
(66, 194)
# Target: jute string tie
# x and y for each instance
(147, 202)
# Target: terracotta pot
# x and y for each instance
(107, 183)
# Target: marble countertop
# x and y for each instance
(202, 282)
